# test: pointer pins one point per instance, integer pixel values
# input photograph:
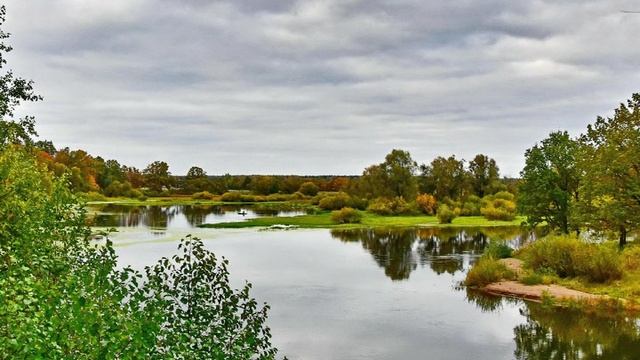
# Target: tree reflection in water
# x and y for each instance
(155, 217)
(550, 333)
(444, 250)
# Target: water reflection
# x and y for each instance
(158, 218)
(566, 334)
(570, 334)
(445, 250)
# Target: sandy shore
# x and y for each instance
(535, 292)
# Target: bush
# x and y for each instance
(631, 257)
(446, 215)
(553, 253)
(335, 202)
(137, 194)
(202, 195)
(603, 264)
(427, 204)
(231, 196)
(298, 196)
(309, 188)
(486, 271)
(386, 206)
(93, 196)
(471, 206)
(346, 215)
(504, 195)
(498, 250)
(499, 207)
(567, 256)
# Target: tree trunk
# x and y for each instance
(623, 236)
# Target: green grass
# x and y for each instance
(323, 220)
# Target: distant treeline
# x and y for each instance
(444, 177)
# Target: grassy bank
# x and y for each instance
(594, 268)
(323, 220)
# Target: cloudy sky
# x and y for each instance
(319, 87)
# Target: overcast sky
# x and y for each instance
(319, 87)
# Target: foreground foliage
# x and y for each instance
(62, 297)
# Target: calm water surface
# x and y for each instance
(374, 294)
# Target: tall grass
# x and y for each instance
(568, 256)
(486, 271)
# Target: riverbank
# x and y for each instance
(616, 295)
(323, 220)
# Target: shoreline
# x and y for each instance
(558, 295)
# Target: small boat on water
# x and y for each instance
(242, 212)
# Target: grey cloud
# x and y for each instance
(319, 86)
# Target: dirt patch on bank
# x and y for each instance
(535, 292)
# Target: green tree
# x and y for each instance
(445, 178)
(610, 160)
(196, 181)
(110, 171)
(395, 177)
(550, 182)
(196, 172)
(157, 176)
(264, 185)
(46, 146)
(309, 188)
(484, 174)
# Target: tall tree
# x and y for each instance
(395, 177)
(445, 177)
(610, 159)
(157, 176)
(196, 172)
(484, 173)
(550, 181)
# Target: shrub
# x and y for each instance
(497, 207)
(309, 188)
(386, 206)
(335, 202)
(278, 197)
(427, 204)
(486, 271)
(203, 195)
(231, 196)
(137, 194)
(93, 196)
(631, 257)
(552, 253)
(602, 265)
(346, 215)
(471, 206)
(567, 256)
(298, 196)
(498, 250)
(359, 203)
(446, 215)
(504, 195)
